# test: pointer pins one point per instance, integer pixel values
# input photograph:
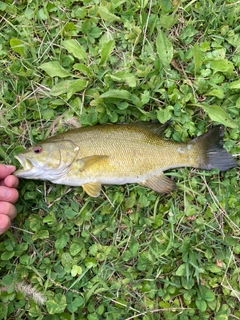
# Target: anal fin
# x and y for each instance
(160, 184)
(92, 189)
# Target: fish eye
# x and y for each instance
(37, 149)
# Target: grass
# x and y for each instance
(131, 253)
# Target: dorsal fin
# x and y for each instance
(153, 126)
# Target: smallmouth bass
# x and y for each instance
(119, 154)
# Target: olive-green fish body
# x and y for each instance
(119, 154)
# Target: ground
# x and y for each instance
(131, 253)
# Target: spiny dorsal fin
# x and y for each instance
(92, 189)
(154, 127)
(160, 183)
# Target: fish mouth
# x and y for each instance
(25, 163)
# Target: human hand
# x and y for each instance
(8, 196)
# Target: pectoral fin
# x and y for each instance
(160, 183)
(88, 161)
(92, 189)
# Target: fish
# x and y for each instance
(117, 154)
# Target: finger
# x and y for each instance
(11, 181)
(8, 194)
(5, 223)
(6, 171)
(8, 209)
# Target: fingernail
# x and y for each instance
(6, 193)
(10, 166)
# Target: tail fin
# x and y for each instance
(215, 156)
